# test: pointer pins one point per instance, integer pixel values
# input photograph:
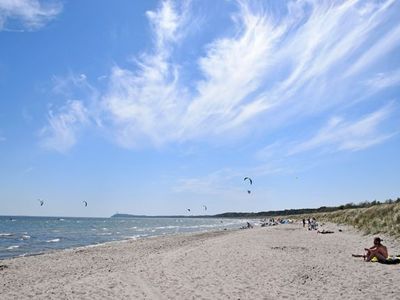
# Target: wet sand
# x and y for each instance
(279, 262)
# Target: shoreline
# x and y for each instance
(124, 240)
(17, 239)
(284, 261)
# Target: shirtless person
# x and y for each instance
(378, 250)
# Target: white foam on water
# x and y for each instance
(6, 234)
(167, 227)
(12, 247)
(25, 237)
(53, 241)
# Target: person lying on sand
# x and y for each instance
(378, 250)
(325, 231)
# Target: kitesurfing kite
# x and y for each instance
(41, 202)
(251, 183)
(249, 179)
(85, 203)
(188, 209)
(205, 207)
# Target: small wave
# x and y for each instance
(167, 227)
(12, 247)
(6, 234)
(105, 228)
(25, 237)
(106, 233)
(53, 241)
(135, 237)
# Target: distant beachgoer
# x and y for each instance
(325, 231)
(304, 222)
(377, 250)
(249, 225)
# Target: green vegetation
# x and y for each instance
(301, 211)
(370, 217)
(382, 218)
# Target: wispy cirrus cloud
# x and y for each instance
(63, 126)
(66, 122)
(382, 81)
(275, 66)
(214, 183)
(27, 14)
(144, 105)
(339, 134)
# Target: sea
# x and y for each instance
(22, 236)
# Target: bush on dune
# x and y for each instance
(378, 218)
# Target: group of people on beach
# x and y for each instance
(311, 222)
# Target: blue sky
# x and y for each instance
(152, 107)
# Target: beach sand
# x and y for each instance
(279, 262)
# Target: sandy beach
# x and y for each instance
(279, 262)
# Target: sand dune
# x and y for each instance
(282, 262)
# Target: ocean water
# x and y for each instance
(20, 236)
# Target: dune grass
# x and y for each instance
(382, 218)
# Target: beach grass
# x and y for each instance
(381, 218)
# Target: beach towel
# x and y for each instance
(393, 260)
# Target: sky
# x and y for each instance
(153, 107)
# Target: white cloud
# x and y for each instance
(218, 183)
(311, 45)
(61, 132)
(382, 81)
(339, 134)
(144, 106)
(272, 68)
(387, 43)
(27, 14)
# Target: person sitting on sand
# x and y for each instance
(377, 250)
